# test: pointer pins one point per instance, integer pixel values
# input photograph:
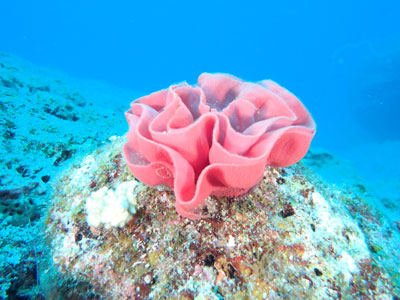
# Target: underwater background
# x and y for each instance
(92, 58)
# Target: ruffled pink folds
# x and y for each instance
(214, 138)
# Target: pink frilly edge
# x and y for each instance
(159, 150)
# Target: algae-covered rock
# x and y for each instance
(289, 238)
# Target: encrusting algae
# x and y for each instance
(288, 238)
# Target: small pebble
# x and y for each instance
(45, 178)
(147, 279)
(317, 272)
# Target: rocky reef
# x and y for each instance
(290, 237)
(293, 236)
(47, 120)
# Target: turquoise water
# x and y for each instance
(69, 70)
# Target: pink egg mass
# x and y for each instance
(214, 138)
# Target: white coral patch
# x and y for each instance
(112, 207)
(349, 265)
(231, 242)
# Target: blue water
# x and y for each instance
(341, 58)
